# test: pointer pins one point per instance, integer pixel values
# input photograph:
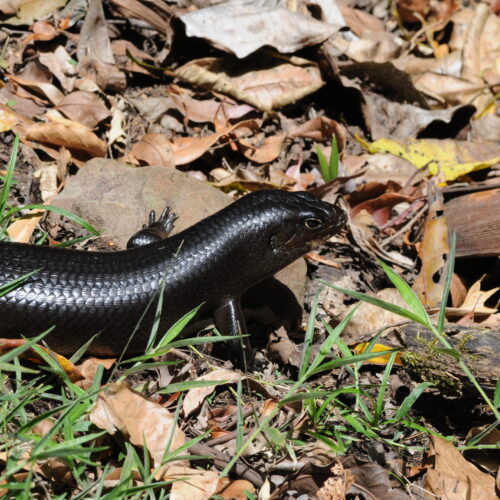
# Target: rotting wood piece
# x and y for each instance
(478, 347)
(476, 219)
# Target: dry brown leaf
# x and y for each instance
(22, 229)
(452, 89)
(114, 478)
(58, 471)
(243, 27)
(282, 348)
(43, 426)
(42, 31)
(72, 135)
(209, 110)
(433, 252)
(47, 89)
(363, 229)
(471, 55)
(28, 11)
(378, 47)
(321, 129)
(191, 484)
(116, 131)
(487, 458)
(369, 319)
(9, 6)
(380, 207)
(399, 121)
(412, 11)
(84, 107)
(188, 149)
(195, 397)
(121, 49)
(453, 478)
(458, 291)
(266, 84)
(474, 302)
(361, 21)
(95, 56)
(234, 489)
(23, 107)
(59, 63)
(159, 16)
(152, 149)
(89, 368)
(262, 149)
(234, 180)
(143, 422)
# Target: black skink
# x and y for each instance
(213, 262)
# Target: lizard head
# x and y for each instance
(305, 222)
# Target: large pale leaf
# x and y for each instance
(266, 83)
(242, 26)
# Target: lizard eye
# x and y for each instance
(313, 223)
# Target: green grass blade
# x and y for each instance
(178, 327)
(447, 284)
(333, 169)
(323, 164)
(496, 397)
(326, 347)
(409, 296)
(74, 218)
(401, 311)
(11, 285)
(190, 384)
(14, 353)
(410, 400)
(308, 339)
(4, 193)
(336, 363)
(384, 384)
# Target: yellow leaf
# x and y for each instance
(379, 360)
(449, 158)
(7, 120)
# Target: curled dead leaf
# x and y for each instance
(84, 107)
(47, 89)
(433, 252)
(321, 129)
(89, 368)
(188, 149)
(266, 84)
(71, 135)
(191, 484)
(152, 149)
(244, 27)
(454, 477)
(234, 489)
(262, 149)
(195, 397)
(121, 408)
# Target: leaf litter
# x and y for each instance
(243, 95)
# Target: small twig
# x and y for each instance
(221, 460)
(323, 260)
(224, 439)
(403, 229)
